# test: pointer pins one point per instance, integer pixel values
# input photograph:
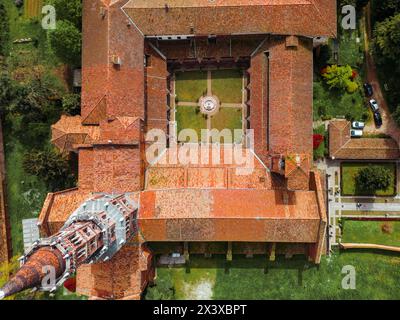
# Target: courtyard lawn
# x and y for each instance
(227, 85)
(349, 173)
(190, 118)
(190, 85)
(228, 118)
(296, 278)
(376, 232)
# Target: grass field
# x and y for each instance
(377, 232)
(349, 174)
(230, 118)
(190, 85)
(377, 277)
(25, 193)
(227, 85)
(190, 118)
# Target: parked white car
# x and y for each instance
(374, 105)
(358, 125)
(356, 133)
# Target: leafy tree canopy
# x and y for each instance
(68, 10)
(387, 37)
(65, 41)
(374, 178)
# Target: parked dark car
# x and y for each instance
(368, 89)
(378, 119)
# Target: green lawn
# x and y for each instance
(190, 118)
(25, 193)
(190, 85)
(349, 174)
(377, 232)
(377, 277)
(228, 118)
(227, 85)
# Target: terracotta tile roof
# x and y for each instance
(342, 146)
(225, 215)
(202, 17)
(226, 174)
(69, 131)
(120, 130)
(297, 171)
(59, 206)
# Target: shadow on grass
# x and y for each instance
(298, 263)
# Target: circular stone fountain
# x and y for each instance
(209, 105)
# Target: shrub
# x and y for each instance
(317, 140)
(51, 166)
(352, 86)
(162, 290)
(338, 76)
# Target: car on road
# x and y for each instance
(374, 105)
(368, 89)
(356, 133)
(378, 119)
(358, 125)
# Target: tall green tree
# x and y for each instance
(387, 37)
(65, 41)
(68, 10)
(4, 30)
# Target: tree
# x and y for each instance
(162, 290)
(396, 115)
(373, 178)
(383, 9)
(69, 10)
(65, 41)
(387, 37)
(6, 93)
(340, 77)
(51, 166)
(4, 30)
(71, 103)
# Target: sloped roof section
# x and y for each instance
(228, 215)
(203, 17)
(69, 131)
(342, 146)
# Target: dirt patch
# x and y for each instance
(201, 290)
(387, 228)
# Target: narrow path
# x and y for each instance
(389, 126)
(209, 91)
